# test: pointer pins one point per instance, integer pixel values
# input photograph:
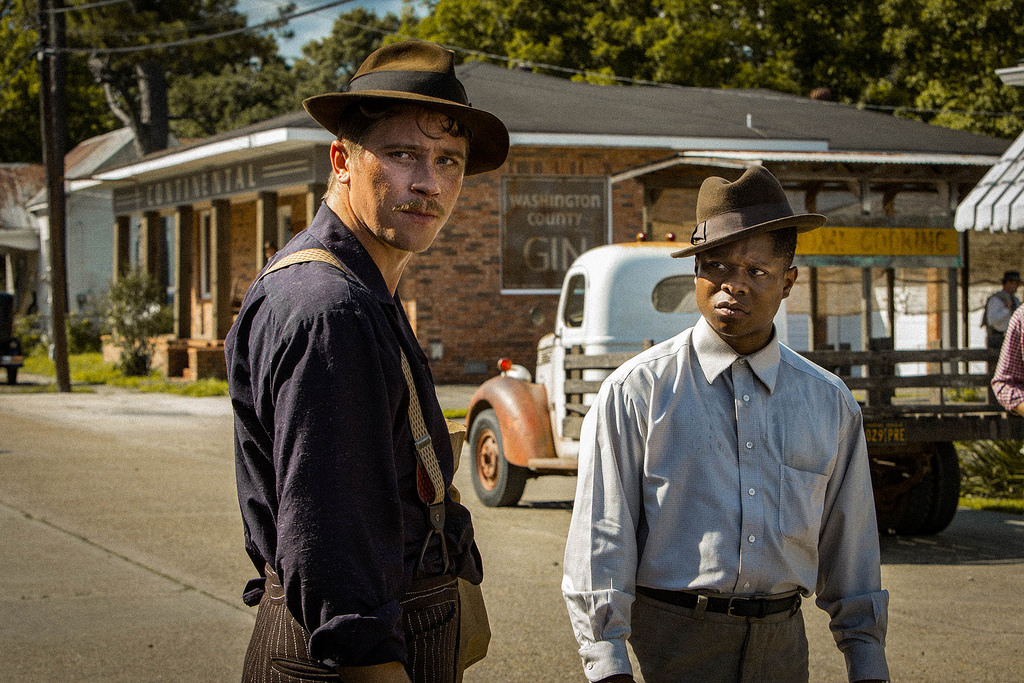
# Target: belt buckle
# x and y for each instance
(762, 612)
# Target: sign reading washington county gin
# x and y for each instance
(546, 222)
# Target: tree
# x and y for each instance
(919, 54)
(137, 80)
(19, 89)
(328, 64)
(945, 54)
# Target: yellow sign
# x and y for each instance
(847, 241)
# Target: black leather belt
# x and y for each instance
(734, 606)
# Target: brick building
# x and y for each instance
(588, 164)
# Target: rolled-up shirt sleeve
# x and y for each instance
(601, 550)
(339, 525)
(849, 579)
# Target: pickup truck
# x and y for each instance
(617, 300)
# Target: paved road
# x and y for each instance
(121, 552)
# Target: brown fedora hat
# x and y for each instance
(420, 73)
(756, 203)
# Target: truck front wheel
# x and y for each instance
(497, 482)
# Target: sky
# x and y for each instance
(312, 26)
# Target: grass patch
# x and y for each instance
(1013, 506)
(89, 368)
(455, 414)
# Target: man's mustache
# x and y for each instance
(431, 206)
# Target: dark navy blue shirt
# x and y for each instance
(324, 453)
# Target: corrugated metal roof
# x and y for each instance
(996, 203)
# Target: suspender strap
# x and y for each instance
(429, 480)
(304, 256)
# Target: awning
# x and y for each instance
(996, 203)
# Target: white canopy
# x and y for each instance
(996, 203)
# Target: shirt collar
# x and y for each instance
(336, 236)
(716, 356)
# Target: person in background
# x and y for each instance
(353, 531)
(998, 309)
(722, 478)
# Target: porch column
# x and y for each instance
(184, 238)
(314, 195)
(220, 267)
(266, 225)
(151, 247)
(122, 244)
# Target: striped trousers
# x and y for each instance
(279, 648)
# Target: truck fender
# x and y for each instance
(522, 410)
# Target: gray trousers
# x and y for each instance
(669, 644)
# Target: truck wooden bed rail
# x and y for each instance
(905, 395)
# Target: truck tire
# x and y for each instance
(945, 478)
(929, 506)
(497, 482)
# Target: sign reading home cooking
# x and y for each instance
(546, 222)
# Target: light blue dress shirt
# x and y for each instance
(700, 469)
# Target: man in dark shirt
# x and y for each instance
(334, 503)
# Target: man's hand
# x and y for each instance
(391, 672)
(1019, 409)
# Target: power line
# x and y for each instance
(271, 23)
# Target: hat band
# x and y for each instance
(426, 83)
(731, 222)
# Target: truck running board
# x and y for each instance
(552, 465)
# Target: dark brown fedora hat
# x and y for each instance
(756, 203)
(423, 74)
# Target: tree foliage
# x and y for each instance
(945, 53)
(19, 89)
(140, 83)
(327, 65)
(917, 54)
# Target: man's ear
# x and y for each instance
(340, 158)
(790, 277)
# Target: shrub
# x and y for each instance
(29, 330)
(136, 311)
(84, 333)
(992, 468)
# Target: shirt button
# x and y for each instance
(751, 491)
(751, 538)
(750, 444)
(746, 397)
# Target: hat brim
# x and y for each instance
(488, 146)
(803, 222)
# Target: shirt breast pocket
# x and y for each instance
(801, 504)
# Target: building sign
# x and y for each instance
(546, 222)
(880, 246)
(256, 175)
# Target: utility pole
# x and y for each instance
(52, 110)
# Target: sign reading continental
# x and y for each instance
(850, 241)
(546, 222)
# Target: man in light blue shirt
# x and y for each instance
(722, 478)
